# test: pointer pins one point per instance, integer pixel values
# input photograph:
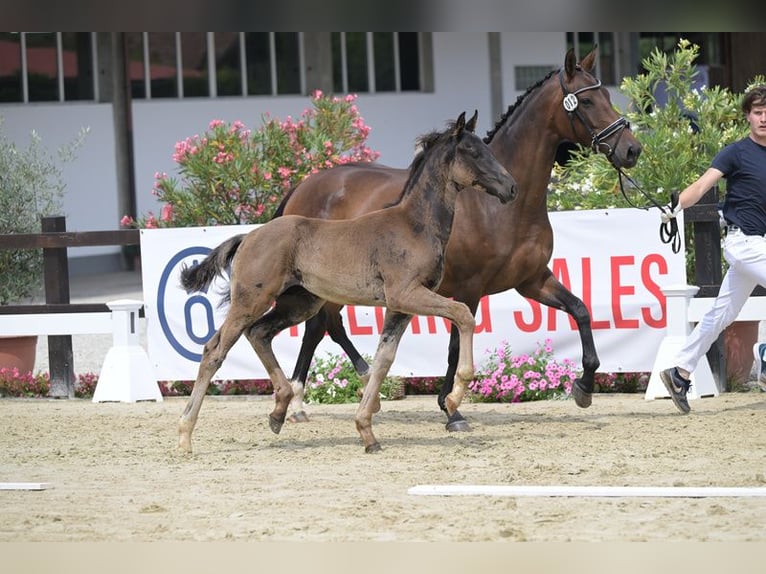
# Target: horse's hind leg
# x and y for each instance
(394, 326)
(552, 293)
(328, 320)
(213, 355)
(290, 309)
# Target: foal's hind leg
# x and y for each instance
(290, 309)
(551, 292)
(214, 353)
(394, 326)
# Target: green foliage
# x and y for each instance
(674, 154)
(31, 187)
(230, 176)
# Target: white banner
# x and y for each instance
(613, 260)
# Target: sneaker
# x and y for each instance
(760, 376)
(677, 386)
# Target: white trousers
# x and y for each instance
(746, 256)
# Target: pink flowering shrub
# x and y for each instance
(230, 175)
(511, 379)
(14, 383)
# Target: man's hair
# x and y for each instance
(755, 96)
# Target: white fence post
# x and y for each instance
(127, 375)
(678, 328)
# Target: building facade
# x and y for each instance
(139, 93)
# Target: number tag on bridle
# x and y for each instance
(570, 102)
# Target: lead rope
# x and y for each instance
(668, 230)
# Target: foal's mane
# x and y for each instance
(512, 108)
(425, 143)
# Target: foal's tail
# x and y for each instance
(199, 277)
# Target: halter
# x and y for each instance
(571, 104)
(668, 231)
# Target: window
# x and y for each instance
(46, 66)
(606, 66)
(60, 66)
(376, 61)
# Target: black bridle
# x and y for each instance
(598, 139)
(571, 103)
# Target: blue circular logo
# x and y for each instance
(197, 311)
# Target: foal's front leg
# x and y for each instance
(393, 329)
(465, 323)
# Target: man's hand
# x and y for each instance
(669, 212)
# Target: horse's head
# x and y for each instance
(588, 109)
(474, 164)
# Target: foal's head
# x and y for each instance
(470, 161)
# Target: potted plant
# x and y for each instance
(31, 187)
(680, 138)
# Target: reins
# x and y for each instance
(668, 230)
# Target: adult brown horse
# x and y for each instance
(492, 248)
(396, 260)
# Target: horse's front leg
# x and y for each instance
(455, 421)
(394, 326)
(552, 293)
(464, 320)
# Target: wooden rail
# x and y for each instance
(54, 241)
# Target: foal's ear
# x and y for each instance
(471, 124)
(459, 124)
(589, 62)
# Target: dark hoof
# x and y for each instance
(457, 423)
(373, 448)
(582, 397)
(298, 417)
(275, 424)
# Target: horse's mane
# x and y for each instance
(424, 143)
(279, 212)
(514, 106)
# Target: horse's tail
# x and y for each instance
(199, 277)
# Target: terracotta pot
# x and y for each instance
(739, 338)
(19, 352)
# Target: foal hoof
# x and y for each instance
(582, 397)
(275, 424)
(456, 423)
(373, 448)
(298, 417)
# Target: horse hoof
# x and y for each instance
(275, 424)
(457, 423)
(299, 417)
(582, 397)
(373, 448)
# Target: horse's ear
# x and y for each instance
(589, 62)
(570, 63)
(459, 124)
(471, 124)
